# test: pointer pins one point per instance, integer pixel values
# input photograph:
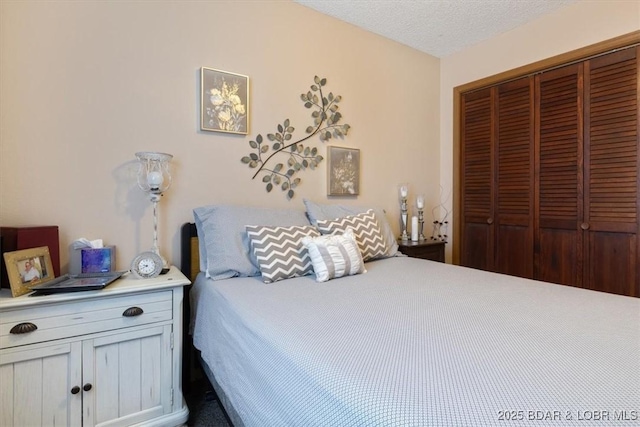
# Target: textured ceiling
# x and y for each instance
(437, 27)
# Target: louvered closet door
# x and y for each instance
(514, 178)
(559, 141)
(611, 173)
(477, 180)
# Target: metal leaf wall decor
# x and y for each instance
(279, 158)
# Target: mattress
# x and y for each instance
(419, 343)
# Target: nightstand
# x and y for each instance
(111, 356)
(425, 249)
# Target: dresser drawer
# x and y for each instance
(56, 321)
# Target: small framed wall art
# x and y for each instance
(224, 101)
(343, 171)
(28, 267)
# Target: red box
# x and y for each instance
(18, 238)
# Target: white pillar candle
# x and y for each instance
(414, 228)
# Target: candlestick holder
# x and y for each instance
(421, 224)
(404, 213)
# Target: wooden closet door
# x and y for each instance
(611, 173)
(514, 140)
(477, 180)
(558, 189)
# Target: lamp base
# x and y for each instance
(165, 264)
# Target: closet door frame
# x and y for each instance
(625, 40)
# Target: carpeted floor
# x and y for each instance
(204, 408)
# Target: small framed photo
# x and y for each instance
(343, 171)
(28, 267)
(224, 102)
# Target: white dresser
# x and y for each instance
(96, 358)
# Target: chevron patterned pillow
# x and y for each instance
(366, 229)
(280, 252)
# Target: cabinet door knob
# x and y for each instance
(489, 221)
(23, 328)
(132, 312)
(75, 390)
(87, 387)
(584, 225)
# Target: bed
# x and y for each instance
(409, 342)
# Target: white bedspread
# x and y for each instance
(419, 343)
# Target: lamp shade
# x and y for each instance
(154, 175)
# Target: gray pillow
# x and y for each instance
(317, 212)
(223, 242)
(280, 252)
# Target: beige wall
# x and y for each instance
(84, 85)
(580, 24)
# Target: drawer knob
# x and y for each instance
(584, 225)
(489, 221)
(87, 387)
(132, 312)
(23, 328)
(75, 390)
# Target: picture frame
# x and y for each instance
(343, 171)
(28, 267)
(224, 101)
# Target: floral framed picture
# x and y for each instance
(28, 267)
(343, 171)
(224, 102)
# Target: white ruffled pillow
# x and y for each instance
(334, 255)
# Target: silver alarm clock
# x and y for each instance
(146, 265)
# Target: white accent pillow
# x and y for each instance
(334, 255)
